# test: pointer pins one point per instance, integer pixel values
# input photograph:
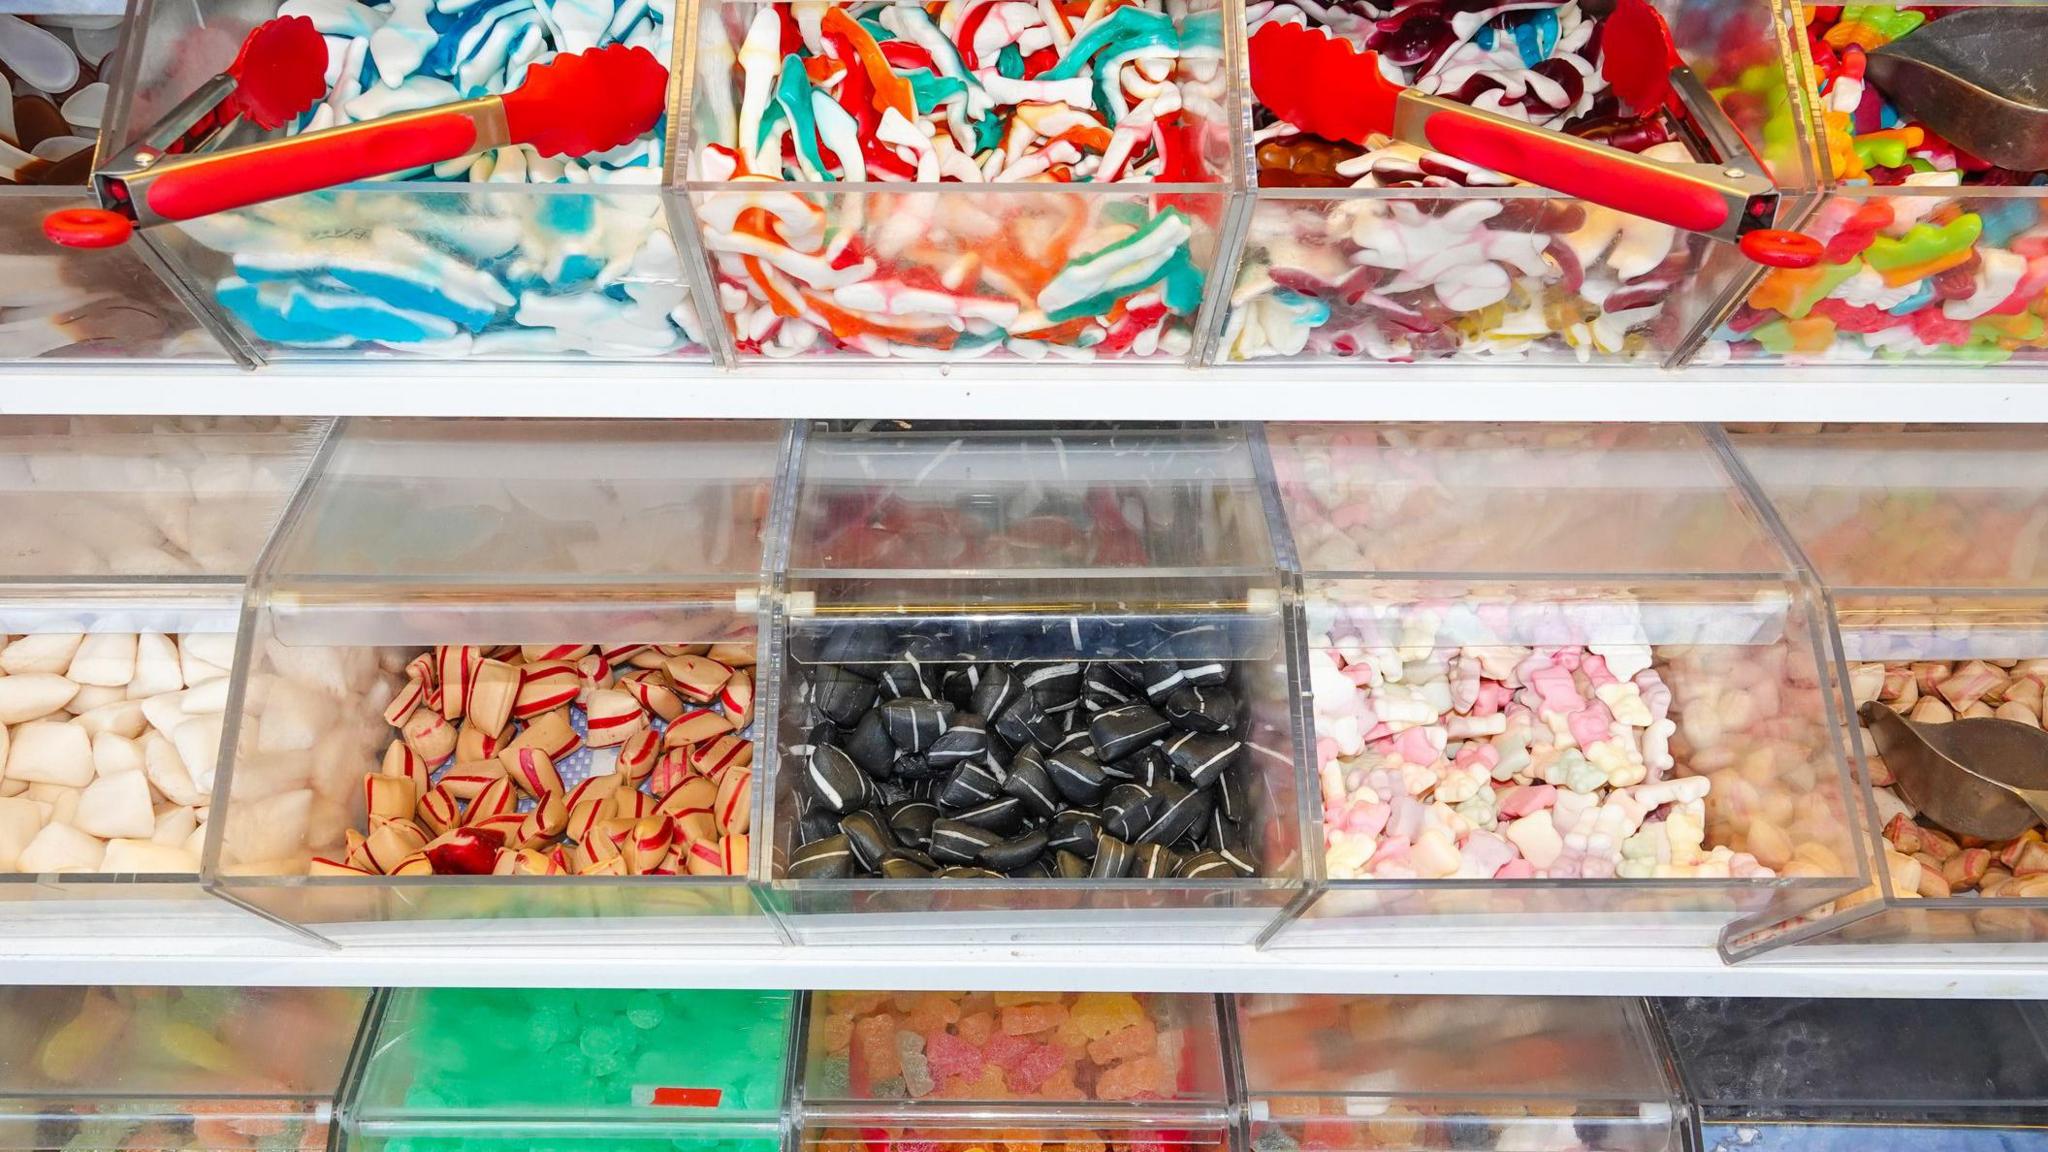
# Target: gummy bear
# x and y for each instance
(951, 1056)
(1097, 1014)
(875, 1040)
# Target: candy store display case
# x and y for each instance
(1395, 254)
(94, 1069)
(1066, 192)
(1567, 688)
(58, 59)
(500, 684)
(510, 255)
(127, 544)
(1420, 1073)
(1033, 686)
(1058, 1071)
(1933, 257)
(1927, 543)
(1793, 1075)
(705, 1071)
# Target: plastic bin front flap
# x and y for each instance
(507, 254)
(126, 546)
(469, 631)
(61, 303)
(1928, 540)
(1100, 569)
(1931, 253)
(1562, 679)
(1830, 1075)
(700, 1068)
(1418, 1073)
(1377, 250)
(1014, 1059)
(211, 1069)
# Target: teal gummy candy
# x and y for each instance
(518, 1052)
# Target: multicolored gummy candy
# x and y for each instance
(1912, 270)
(1393, 278)
(1007, 1045)
(581, 266)
(1032, 97)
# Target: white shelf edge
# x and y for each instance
(1041, 392)
(1926, 972)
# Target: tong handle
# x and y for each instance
(1705, 198)
(187, 187)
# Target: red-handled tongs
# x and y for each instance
(1321, 84)
(590, 101)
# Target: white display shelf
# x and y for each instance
(813, 389)
(1902, 971)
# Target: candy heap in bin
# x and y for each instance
(1595, 181)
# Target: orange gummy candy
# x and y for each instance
(1031, 1019)
(1138, 1040)
(1097, 1014)
(1131, 1079)
(1018, 999)
(976, 1029)
(833, 1033)
(930, 1011)
(878, 1052)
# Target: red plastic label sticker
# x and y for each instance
(659, 1097)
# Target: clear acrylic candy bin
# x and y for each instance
(1059, 1071)
(459, 557)
(72, 303)
(1422, 1073)
(1510, 274)
(1572, 627)
(1927, 543)
(1036, 269)
(1929, 271)
(704, 1071)
(1830, 1075)
(414, 267)
(1037, 553)
(198, 1069)
(126, 546)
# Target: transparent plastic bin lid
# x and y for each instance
(579, 1063)
(1834, 1075)
(512, 524)
(187, 1068)
(1067, 535)
(140, 523)
(1516, 500)
(1934, 541)
(1444, 1072)
(978, 1060)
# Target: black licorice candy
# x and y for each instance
(963, 762)
(1118, 732)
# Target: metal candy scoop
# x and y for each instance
(1981, 777)
(1978, 78)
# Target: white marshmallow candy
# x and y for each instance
(106, 658)
(113, 754)
(61, 848)
(174, 826)
(147, 858)
(20, 820)
(117, 806)
(50, 752)
(33, 695)
(44, 652)
(156, 667)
